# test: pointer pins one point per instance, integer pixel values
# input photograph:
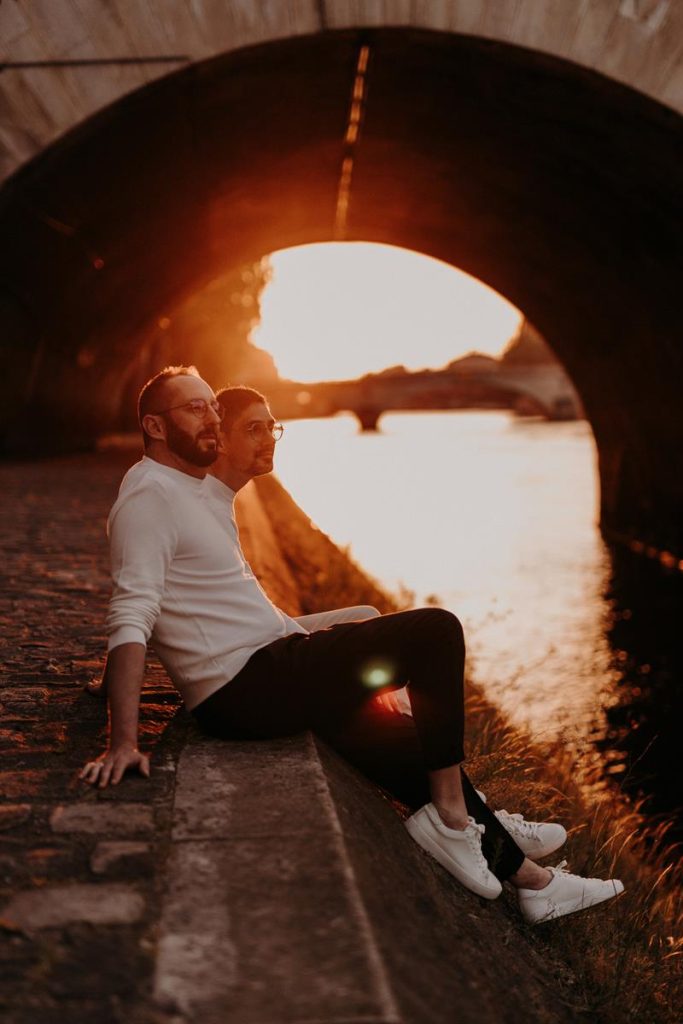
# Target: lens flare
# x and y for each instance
(376, 673)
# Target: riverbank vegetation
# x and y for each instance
(625, 958)
(623, 961)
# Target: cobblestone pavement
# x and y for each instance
(79, 874)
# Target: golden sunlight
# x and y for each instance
(338, 310)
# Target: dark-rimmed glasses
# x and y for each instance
(198, 406)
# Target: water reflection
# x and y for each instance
(495, 518)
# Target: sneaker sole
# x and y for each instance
(564, 909)
(427, 843)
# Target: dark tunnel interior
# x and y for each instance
(553, 184)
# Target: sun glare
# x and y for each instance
(338, 310)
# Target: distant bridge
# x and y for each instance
(545, 390)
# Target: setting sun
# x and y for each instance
(339, 310)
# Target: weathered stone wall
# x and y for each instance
(68, 58)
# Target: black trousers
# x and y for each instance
(325, 681)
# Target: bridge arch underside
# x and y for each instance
(553, 184)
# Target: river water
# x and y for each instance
(494, 517)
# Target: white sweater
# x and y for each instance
(181, 580)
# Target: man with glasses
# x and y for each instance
(246, 670)
(180, 579)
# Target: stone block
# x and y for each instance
(230, 790)
(102, 816)
(66, 904)
(108, 855)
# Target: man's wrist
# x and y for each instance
(123, 741)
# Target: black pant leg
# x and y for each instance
(321, 682)
(319, 679)
(337, 670)
(385, 747)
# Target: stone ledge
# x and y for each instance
(262, 920)
(294, 894)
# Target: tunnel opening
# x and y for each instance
(556, 186)
(371, 328)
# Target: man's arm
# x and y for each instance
(125, 671)
(142, 541)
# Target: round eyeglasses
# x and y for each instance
(199, 406)
(262, 431)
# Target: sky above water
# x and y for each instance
(339, 310)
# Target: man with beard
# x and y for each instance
(248, 671)
(179, 581)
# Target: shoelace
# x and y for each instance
(473, 833)
(528, 829)
(561, 869)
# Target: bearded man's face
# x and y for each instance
(198, 447)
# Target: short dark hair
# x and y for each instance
(234, 400)
(151, 392)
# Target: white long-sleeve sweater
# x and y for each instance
(181, 581)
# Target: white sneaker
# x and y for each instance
(457, 851)
(565, 894)
(535, 839)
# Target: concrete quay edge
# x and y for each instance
(294, 894)
(262, 919)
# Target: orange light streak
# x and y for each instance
(351, 139)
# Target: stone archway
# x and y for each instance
(64, 61)
(553, 184)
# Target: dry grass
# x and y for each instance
(624, 960)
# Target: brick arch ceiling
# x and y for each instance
(555, 185)
(63, 60)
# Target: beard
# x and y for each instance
(184, 444)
